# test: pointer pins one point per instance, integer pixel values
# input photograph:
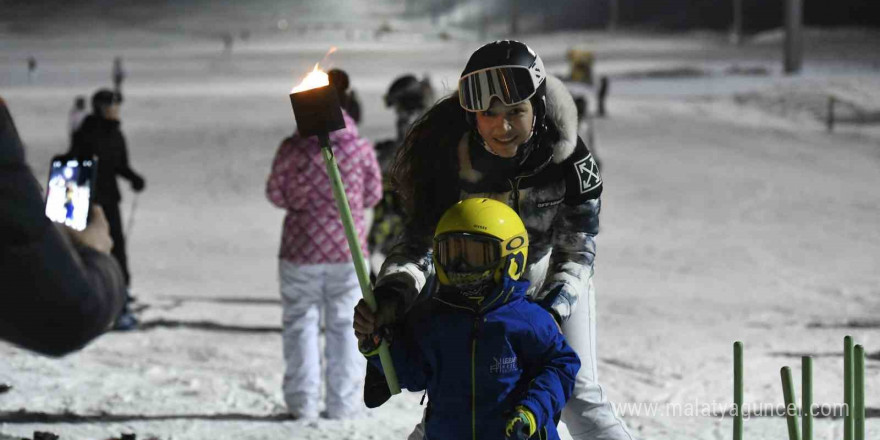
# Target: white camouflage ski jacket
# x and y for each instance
(557, 199)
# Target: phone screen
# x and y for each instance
(70, 189)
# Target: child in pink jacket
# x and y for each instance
(316, 272)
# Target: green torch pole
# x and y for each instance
(360, 265)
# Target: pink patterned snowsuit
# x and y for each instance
(315, 269)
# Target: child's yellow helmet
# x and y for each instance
(479, 239)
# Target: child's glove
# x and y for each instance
(369, 346)
(521, 426)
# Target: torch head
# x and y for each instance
(317, 111)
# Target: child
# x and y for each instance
(492, 362)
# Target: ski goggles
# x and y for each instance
(510, 84)
(461, 252)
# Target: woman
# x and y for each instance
(510, 134)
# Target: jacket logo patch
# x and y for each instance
(588, 173)
(550, 202)
(503, 365)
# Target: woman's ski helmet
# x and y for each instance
(507, 70)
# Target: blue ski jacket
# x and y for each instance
(479, 361)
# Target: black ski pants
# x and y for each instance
(111, 211)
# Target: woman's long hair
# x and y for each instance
(425, 171)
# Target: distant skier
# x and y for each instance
(32, 68)
(118, 74)
(77, 114)
(100, 135)
(494, 364)
(228, 41)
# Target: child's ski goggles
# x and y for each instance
(462, 252)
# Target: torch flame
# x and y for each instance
(316, 78)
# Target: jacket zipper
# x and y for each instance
(514, 193)
(514, 183)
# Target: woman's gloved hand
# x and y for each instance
(369, 344)
(138, 183)
(390, 309)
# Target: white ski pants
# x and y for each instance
(307, 292)
(588, 414)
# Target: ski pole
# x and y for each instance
(134, 203)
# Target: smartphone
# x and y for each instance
(69, 196)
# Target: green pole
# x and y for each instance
(738, 390)
(807, 398)
(790, 408)
(360, 265)
(859, 393)
(848, 388)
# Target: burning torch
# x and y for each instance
(317, 112)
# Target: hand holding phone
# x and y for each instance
(96, 235)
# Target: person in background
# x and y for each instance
(77, 114)
(409, 98)
(32, 68)
(61, 288)
(315, 266)
(100, 136)
(118, 75)
(347, 97)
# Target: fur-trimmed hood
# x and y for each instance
(562, 113)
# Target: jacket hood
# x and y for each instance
(561, 112)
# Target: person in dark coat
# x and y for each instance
(100, 136)
(61, 288)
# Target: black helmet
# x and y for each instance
(406, 91)
(105, 97)
(507, 70)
